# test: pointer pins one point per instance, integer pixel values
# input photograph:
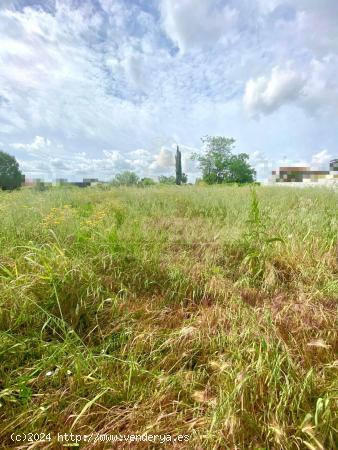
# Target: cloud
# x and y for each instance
(267, 6)
(39, 143)
(191, 24)
(58, 162)
(115, 75)
(261, 163)
(133, 66)
(311, 15)
(321, 88)
(321, 159)
(267, 94)
(313, 89)
(163, 161)
(75, 166)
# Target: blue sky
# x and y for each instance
(93, 87)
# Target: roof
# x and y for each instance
(294, 169)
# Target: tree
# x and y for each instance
(10, 175)
(240, 170)
(181, 178)
(220, 165)
(178, 163)
(166, 180)
(126, 178)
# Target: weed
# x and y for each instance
(170, 311)
(257, 242)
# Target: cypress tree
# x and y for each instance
(178, 160)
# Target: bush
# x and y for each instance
(126, 178)
(147, 182)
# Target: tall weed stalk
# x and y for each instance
(257, 242)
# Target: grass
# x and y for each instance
(201, 311)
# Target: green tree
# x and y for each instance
(240, 170)
(178, 163)
(166, 180)
(126, 178)
(10, 175)
(220, 165)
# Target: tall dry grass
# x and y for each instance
(193, 310)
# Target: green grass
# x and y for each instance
(194, 310)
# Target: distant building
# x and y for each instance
(29, 182)
(90, 180)
(334, 165)
(306, 175)
(86, 182)
(81, 184)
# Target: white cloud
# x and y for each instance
(313, 88)
(315, 26)
(140, 153)
(321, 159)
(267, 6)
(192, 24)
(58, 162)
(39, 144)
(133, 66)
(265, 95)
(321, 88)
(75, 166)
(165, 161)
(262, 165)
(92, 78)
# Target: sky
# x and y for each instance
(89, 88)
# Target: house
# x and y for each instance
(305, 175)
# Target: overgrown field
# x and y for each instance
(177, 310)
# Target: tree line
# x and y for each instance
(218, 164)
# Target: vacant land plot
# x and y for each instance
(207, 312)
